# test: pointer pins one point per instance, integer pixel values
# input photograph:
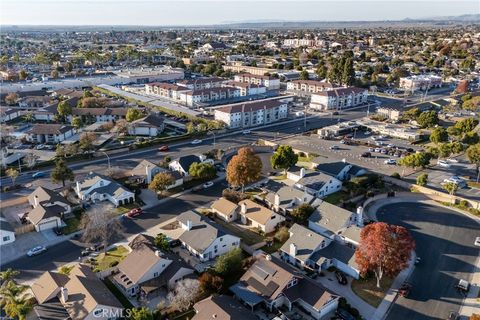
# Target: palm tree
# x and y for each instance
(7, 276)
(15, 301)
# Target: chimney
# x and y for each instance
(243, 208)
(277, 200)
(189, 225)
(147, 173)
(360, 216)
(293, 249)
(63, 295)
(35, 201)
(302, 172)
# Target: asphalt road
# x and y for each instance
(444, 240)
(69, 251)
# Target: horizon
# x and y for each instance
(161, 13)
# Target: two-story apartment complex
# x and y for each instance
(49, 133)
(421, 82)
(309, 86)
(250, 114)
(338, 98)
(267, 81)
(195, 98)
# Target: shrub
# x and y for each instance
(396, 175)
(282, 234)
(422, 179)
(113, 263)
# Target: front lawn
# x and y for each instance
(73, 224)
(248, 237)
(272, 248)
(337, 197)
(110, 258)
(127, 207)
(367, 289)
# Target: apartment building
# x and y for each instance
(268, 81)
(295, 43)
(194, 98)
(310, 86)
(165, 90)
(202, 83)
(247, 89)
(49, 133)
(421, 82)
(238, 68)
(252, 114)
(338, 98)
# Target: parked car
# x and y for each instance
(86, 252)
(341, 278)
(344, 314)
(207, 184)
(443, 163)
(38, 174)
(39, 147)
(366, 155)
(463, 285)
(58, 231)
(404, 290)
(457, 180)
(334, 147)
(163, 148)
(196, 141)
(246, 132)
(371, 149)
(134, 212)
(417, 261)
(477, 241)
(390, 162)
(36, 251)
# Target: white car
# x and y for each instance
(207, 184)
(35, 251)
(477, 241)
(196, 141)
(390, 145)
(390, 161)
(443, 163)
(334, 147)
(367, 133)
(246, 131)
(452, 160)
(457, 180)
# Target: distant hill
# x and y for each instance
(462, 18)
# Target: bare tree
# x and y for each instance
(101, 225)
(184, 295)
(31, 160)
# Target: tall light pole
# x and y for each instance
(108, 158)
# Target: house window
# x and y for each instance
(6, 238)
(221, 239)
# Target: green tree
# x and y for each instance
(445, 150)
(411, 114)
(422, 179)
(282, 234)
(439, 135)
(473, 155)
(142, 313)
(304, 75)
(348, 74)
(86, 141)
(229, 263)
(22, 75)
(161, 182)
(68, 66)
(64, 109)
(456, 147)
(11, 98)
(244, 168)
(133, 114)
(15, 300)
(7, 276)
(12, 173)
(471, 138)
(415, 160)
(77, 122)
(450, 187)
(302, 213)
(161, 242)
(201, 170)
(283, 158)
(61, 172)
(54, 74)
(427, 119)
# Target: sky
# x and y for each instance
(197, 12)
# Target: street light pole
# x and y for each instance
(108, 158)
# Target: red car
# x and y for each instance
(163, 148)
(405, 289)
(134, 212)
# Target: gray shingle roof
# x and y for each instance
(314, 179)
(330, 217)
(336, 251)
(305, 239)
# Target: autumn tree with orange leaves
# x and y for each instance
(384, 250)
(244, 168)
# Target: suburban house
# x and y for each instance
(49, 208)
(151, 125)
(9, 114)
(183, 163)
(274, 284)
(92, 115)
(146, 269)
(286, 198)
(221, 308)
(314, 182)
(145, 171)
(329, 219)
(78, 295)
(341, 170)
(338, 98)
(7, 233)
(225, 209)
(49, 133)
(95, 187)
(257, 216)
(202, 239)
(46, 114)
(251, 114)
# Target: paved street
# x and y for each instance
(444, 241)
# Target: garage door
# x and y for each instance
(47, 225)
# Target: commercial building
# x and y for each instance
(252, 114)
(146, 75)
(268, 81)
(295, 43)
(339, 98)
(421, 82)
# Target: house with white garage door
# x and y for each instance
(49, 209)
(96, 187)
(151, 125)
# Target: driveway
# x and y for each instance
(444, 241)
